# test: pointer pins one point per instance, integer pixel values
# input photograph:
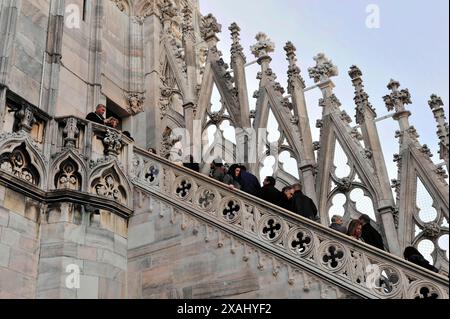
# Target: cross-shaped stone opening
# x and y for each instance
(231, 210)
(184, 188)
(272, 229)
(301, 242)
(206, 199)
(152, 174)
(425, 293)
(333, 257)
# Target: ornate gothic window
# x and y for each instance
(68, 176)
(18, 163)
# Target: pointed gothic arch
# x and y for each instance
(110, 182)
(34, 156)
(69, 171)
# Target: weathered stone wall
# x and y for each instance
(93, 55)
(19, 245)
(74, 77)
(96, 243)
(29, 46)
(35, 250)
(165, 261)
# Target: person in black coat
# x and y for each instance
(411, 254)
(269, 193)
(370, 234)
(287, 194)
(303, 205)
(98, 117)
(249, 182)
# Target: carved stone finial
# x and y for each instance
(112, 143)
(397, 99)
(135, 103)
(363, 106)
(324, 69)
(188, 27)
(263, 47)
(293, 71)
(435, 102)
(168, 9)
(71, 132)
(25, 118)
(237, 51)
(437, 106)
(210, 27)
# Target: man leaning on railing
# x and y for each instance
(98, 117)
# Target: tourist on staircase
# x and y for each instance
(303, 205)
(249, 182)
(269, 193)
(286, 197)
(411, 254)
(370, 234)
(337, 223)
(217, 170)
(233, 177)
(355, 230)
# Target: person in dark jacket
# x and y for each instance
(411, 254)
(370, 234)
(98, 117)
(286, 197)
(249, 182)
(269, 193)
(337, 223)
(303, 205)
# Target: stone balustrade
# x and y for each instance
(296, 242)
(97, 166)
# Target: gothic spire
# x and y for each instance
(363, 106)
(294, 71)
(437, 106)
(263, 47)
(188, 27)
(397, 101)
(210, 28)
(324, 69)
(236, 48)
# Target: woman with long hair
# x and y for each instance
(355, 230)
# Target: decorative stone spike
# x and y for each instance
(188, 27)
(324, 69)
(397, 99)
(293, 71)
(210, 27)
(263, 47)
(237, 51)
(437, 106)
(363, 106)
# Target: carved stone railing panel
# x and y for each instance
(341, 260)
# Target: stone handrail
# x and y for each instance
(298, 242)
